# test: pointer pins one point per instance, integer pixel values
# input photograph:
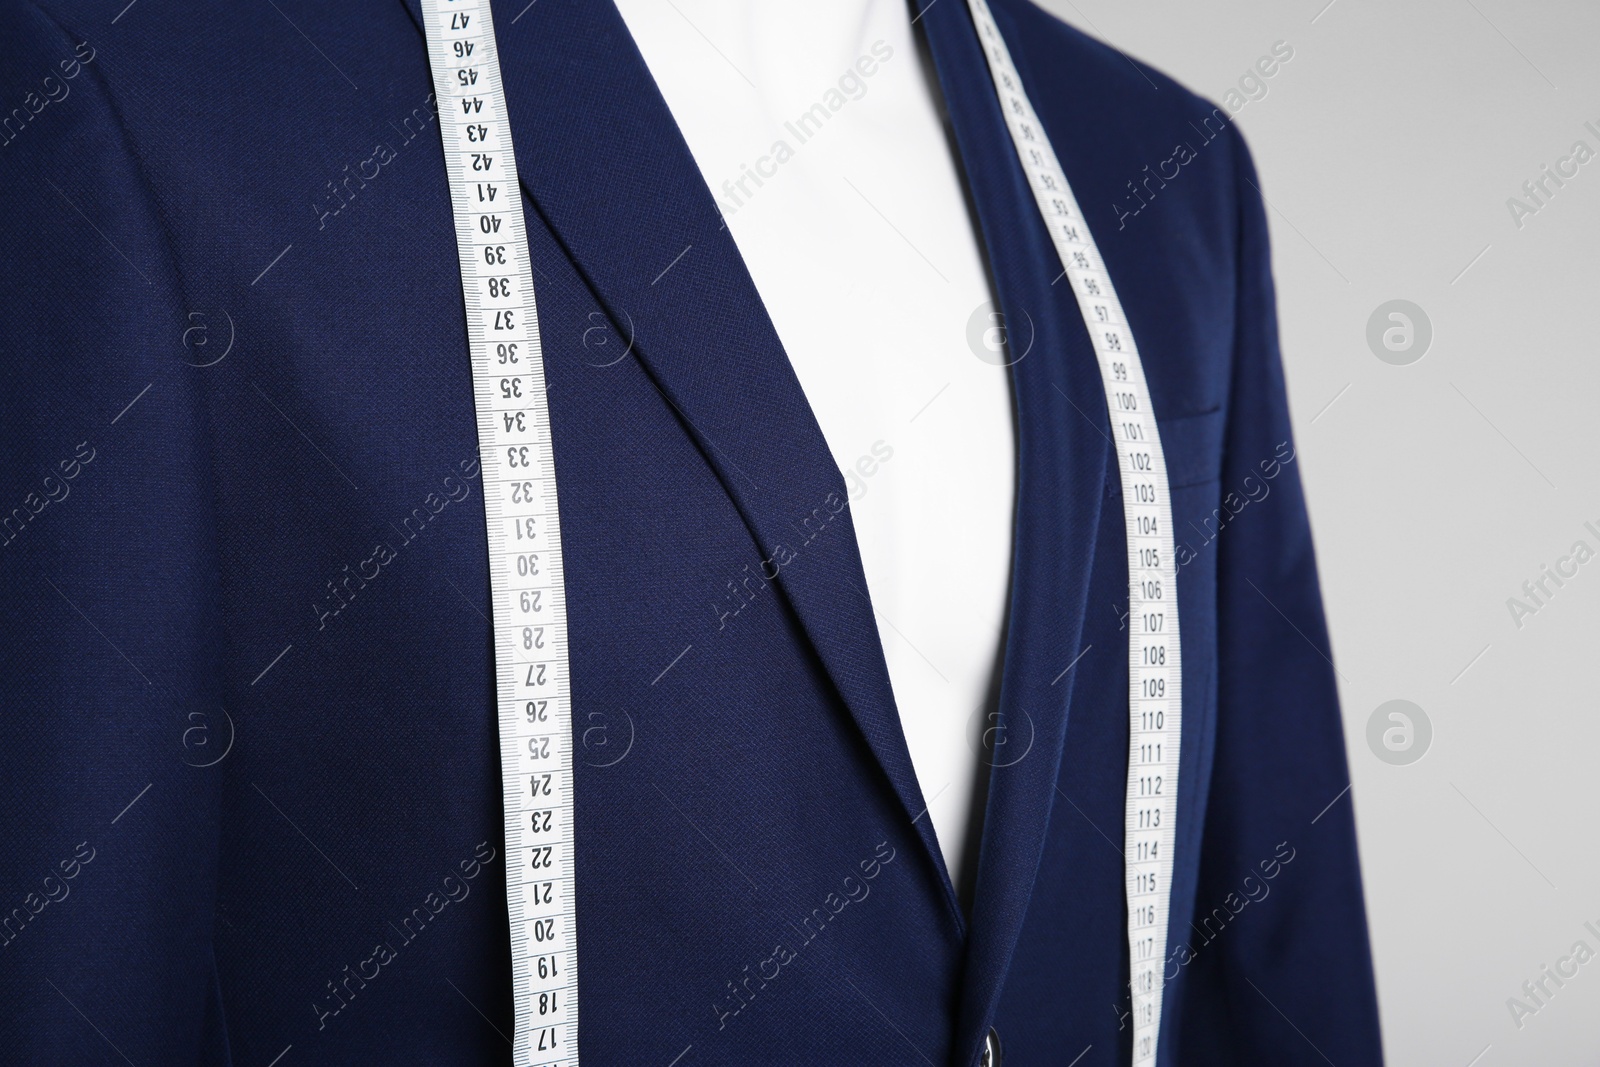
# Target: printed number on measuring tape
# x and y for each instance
(528, 597)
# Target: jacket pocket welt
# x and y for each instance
(1192, 445)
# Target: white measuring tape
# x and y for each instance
(1155, 704)
(529, 605)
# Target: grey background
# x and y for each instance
(1387, 148)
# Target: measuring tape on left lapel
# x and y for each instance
(529, 605)
(1155, 675)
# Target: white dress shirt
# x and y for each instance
(818, 128)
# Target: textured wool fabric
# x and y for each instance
(248, 757)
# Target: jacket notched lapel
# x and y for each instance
(605, 168)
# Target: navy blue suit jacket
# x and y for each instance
(248, 755)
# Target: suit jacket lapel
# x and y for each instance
(1063, 457)
(605, 168)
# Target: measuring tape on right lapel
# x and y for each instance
(1155, 676)
(529, 606)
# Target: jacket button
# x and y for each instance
(991, 1050)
